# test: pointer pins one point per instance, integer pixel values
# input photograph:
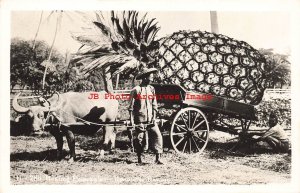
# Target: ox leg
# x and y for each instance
(102, 147)
(113, 142)
(59, 142)
(109, 136)
(71, 143)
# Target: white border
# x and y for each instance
(155, 5)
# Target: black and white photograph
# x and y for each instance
(151, 97)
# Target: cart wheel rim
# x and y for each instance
(189, 131)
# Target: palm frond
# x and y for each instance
(96, 50)
(131, 64)
(103, 28)
(81, 59)
(98, 18)
(151, 30)
(120, 42)
(107, 61)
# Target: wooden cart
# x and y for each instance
(196, 113)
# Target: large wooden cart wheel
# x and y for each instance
(189, 131)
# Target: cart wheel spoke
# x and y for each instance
(195, 143)
(178, 142)
(199, 138)
(184, 121)
(183, 150)
(199, 124)
(182, 133)
(181, 127)
(197, 114)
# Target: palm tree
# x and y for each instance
(37, 31)
(278, 68)
(121, 45)
(48, 63)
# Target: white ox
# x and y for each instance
(70, 108)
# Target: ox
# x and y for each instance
(67, 109)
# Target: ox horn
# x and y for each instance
(17, 107)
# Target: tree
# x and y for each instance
(26, 65)
(278, 68)
(120, 45)
(75, 82)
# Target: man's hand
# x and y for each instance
(154, 117)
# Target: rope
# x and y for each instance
(47, 117)
(93, 123)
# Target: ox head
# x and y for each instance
(33, 117)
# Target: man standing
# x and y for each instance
(142, 112)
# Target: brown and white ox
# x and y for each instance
(67, 109)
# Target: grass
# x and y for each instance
(33, 162)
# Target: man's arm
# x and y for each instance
(266, 134)
(131, 118)
(154, 105)
(131, 104)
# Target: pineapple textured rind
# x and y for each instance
(212, 63)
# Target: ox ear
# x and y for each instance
(43, 102)
(17, 107)
(17, 119)
(58, 103)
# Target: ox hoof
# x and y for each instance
(101, 154)
(71, 160)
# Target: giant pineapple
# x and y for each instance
(212, 63)
(199, 61)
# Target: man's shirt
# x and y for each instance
(142, 103)
(276, 132)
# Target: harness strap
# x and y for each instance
(47, 117)
(87, 122)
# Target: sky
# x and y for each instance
(259, 29)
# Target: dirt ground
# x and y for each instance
(33, 162)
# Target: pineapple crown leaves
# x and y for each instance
(122, 42)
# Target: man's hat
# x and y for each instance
(145, 72)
